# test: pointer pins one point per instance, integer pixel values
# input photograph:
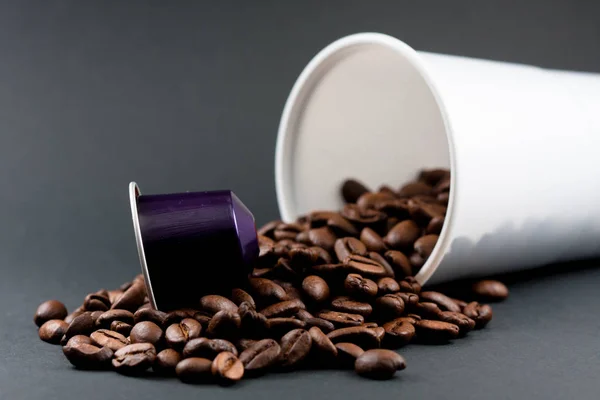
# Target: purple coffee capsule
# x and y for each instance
(192, 244)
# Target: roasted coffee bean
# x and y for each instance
(403, 235)
(278, 327)
(442, 186)
(338, 224)
(410, 285)
(243, 344)
(194, 370)
(379, 364)
(147, 332)
(347, 305)
(443, 301)
(207, 348)
(399, 263)
(51, 309)
(324, 325)
(202, 318)
(107, 318)
(464, 323)
(461, 303)
(370, 324)
(69, 318)
(410, 299)
(347, 354)
(79, 339)
(329, 271)
(378, 258)
(177, 335)
(425, 244)
(53, 330)
(268, 228)
(379, 333)
(134, 358)
(114, 294)
(166, 361)
(295, 347)
(315, 288)
(387, 285)
(433, 176)
(96, 314)
(121, 327)
(283, 309)
(132, 298)
(213, 303)
(224, 324)
(261, 355)
(81, 325)
(253, 323)
(342, 319)
(443, 198)
(98, 301)
(176, 316)
(303, 258)
(436, 331)
(361, 336)
(87, 356)
(434, 227)
(322, 237)
(227, 368)
(352, 190)
(360, 287)
(364, 266)
(389, 306)
(238, 296)
(303, 315)
(414, 189)
(489, 290)
(287, 231)
(362, 217)
(292, 292)
(303, 238)
(428, 310)
(372, 240)
(348, 246)
(398, 332)
(266, 291)
(481, 314)
(148, 314)
(416, 261)
(110, 339)
(322, 347)
(373, 199)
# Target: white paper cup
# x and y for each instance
(523, 145)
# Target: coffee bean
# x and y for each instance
(278, 327)
(81, 325)
(346, 305)
(425, 244)
(464, 323)
(315, 288)
(372, 240)
(176, 316)
(244, 344)
(398, 332)
(409, 285)
(238, 296)
(361, 217)
(399, 263)
(96, 314)
(428, 310)
(261, 355)
(347, 354)
(166, 361)
(490, 290)
(379, 364)
(69, 318)
(292, 292)
(110, 339)
(378, 258)
(435, 226)
(322, 348)
(148, 314)
(121, 327)
(322, 237)
(342, 319)
(403, 235)
(338, 224)
(364, 266)
(194, 370)
(348, 246)
(436, 331)
(329, 271)
(352, 190)
(114, 294)
(389, 306)
(53, 330)
(443, 198)
(177, 335)
(387, 285)
(207, 348)
(132, 298)
(266, 291)
(481, 314)
(283, 309)
(147, 332)
(416, 261)
(253, 323)
(462, 304)
(135, 358)
(373, 199)
(370, 324)
(87, 356)
(224, 324)
(107, 318)
(98, 301)
(287, 231)
(268, 228)
(414, 189)
(360, 287)
(443, 301)
(48, 310)
(227, 368)
(295, 347)
(213, 303)
(361, 336)
(422, 211)
(434, 176)
(324, 325)
(79, 339)
(410, 299)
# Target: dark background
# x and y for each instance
(187, 96)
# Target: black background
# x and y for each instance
(187, 96)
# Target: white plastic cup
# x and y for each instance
(523, 145)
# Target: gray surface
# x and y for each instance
(187, 96)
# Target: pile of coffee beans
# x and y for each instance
(331, 290)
